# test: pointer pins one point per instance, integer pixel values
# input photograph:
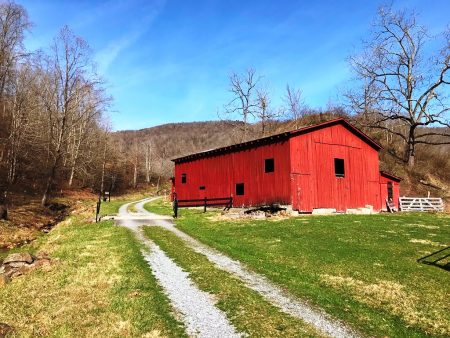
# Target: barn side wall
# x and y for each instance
(313, 180)
(219, 175)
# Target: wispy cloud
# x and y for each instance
(106, 57)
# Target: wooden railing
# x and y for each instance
(227, 202)
(421, 204)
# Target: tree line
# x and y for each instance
(51, 107)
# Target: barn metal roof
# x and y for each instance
(278, 138)
(391, 176)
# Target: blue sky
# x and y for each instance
(169, 61)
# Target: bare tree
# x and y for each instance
(294, 105)
(264, 112)
(403, 87)
(148, 160)
(136, 154)
(162, 157)
(13, 25)
(105, 141)
(90, 102)
(243, 104)
(67, 72)
(21, 111)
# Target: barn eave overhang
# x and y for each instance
(390, 176)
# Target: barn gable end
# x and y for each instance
(314, 180)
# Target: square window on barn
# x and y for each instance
(239, 189)
(269, 165)
(202, 187)
(183, 178)
(339, 169)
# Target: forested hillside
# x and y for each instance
(162, 143)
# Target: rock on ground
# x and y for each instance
(24, 257)
(5, 329)
(18, 264)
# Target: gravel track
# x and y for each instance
(274, 294)
(199, 314)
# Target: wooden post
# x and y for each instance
(99, 203)
(175, 207)
(98, 211)
(204, 206)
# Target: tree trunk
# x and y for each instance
(411, 147)
(147, 164)
(4, 205)
(135, 176)
(157, 184)
(72, 174)
(3, 212)
(48, 186)
(411, 156)
(102, 184)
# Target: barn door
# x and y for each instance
(390, 191)
(295, 191)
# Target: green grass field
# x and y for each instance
(160, 206)
(99, 286)
(361, 269)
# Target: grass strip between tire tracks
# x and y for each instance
(245, 308)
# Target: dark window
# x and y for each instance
(202, 187)
(269, 165)
(339, 170)
(183, 178)
(390, 191)
(239, 189)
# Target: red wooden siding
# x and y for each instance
(219, 175)
(313, 180)
(304, 173)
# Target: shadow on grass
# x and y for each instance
(440, 259)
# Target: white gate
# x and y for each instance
(421, 204)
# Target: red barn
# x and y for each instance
(328, 165)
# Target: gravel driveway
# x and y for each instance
(196, 308)
(274, 294)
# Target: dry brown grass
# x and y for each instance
(426, 242)
(85, 293)
(25, 223)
